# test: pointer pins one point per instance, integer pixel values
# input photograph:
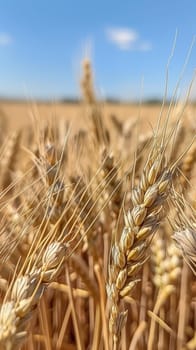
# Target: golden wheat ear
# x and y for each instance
(25, 292)
(186, 241)
(129, 251)
(185, 230)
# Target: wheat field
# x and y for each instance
(98, 225)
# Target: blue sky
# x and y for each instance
(42, 43)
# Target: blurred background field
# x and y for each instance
(16, 115)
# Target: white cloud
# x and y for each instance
(124, 38)
(127, 39)
(5, 39)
